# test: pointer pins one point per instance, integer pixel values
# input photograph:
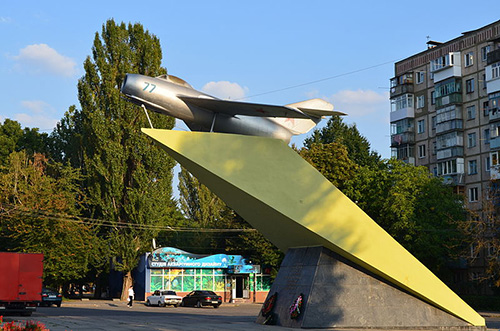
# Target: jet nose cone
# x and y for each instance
(124, 83)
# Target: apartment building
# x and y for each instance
(445, 115)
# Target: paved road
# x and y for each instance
(111, 316)
(116, 316)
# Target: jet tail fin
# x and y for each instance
(316, 109)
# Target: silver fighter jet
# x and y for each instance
(172, 96)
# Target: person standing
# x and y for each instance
(130, 296)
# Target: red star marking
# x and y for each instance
(260, 110)
(292, 120)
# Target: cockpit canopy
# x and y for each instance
(175, 80)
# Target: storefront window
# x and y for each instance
(188, 283)
(219, 283)
(156, 280)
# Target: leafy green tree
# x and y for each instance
(13, 138)
(358, 147)
(128, 177)
(332, 161)
(37, 199)
(10, 133)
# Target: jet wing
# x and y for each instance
(233, 108)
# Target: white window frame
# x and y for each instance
(421, 126)
(484, 52)
(473, 194)
(421, 101)
(469, 85)
(471, 140)
(472, 167)
(469, 59)
(421, 151)
(420, 77)
(471, 112)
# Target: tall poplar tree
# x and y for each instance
(128, 177)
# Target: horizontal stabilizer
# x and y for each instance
(316, 108)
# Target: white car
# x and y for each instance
(164, 298)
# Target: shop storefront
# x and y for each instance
(230, 276)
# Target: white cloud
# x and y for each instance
(225, 90)
(39, 115)
(361, 102)
(4, 19)
(40, 58)
(37, 106)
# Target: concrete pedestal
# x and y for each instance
(341, 295)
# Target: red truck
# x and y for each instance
(20, 282)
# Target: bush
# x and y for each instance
(30, 326)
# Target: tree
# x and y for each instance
(337, 131)
(10, 133)
(128, 177)
(332, 161)
(37, 199)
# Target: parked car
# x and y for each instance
(164, 298)
(51, 297)
(202, 298)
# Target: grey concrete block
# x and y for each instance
(339, 294)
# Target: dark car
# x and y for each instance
(202, 298)
(51, 297)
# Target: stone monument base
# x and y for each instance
(338, 294)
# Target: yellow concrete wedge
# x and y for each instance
(293, 205)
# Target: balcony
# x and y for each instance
(402, 138)
(448, 99)
(493, 56)
(454, 180)
(494, 114)
(446, 67)
(495, 172)
(403, 113)
(494, 143)
(401, 89)
(449, 126)
(492, 77)
(450, 152)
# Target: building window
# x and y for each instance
(469, 85)
(486, 136)
(494, 158)
(421, 126)
(401, 102)
(420, 77)
(495, 70)
(471, 112)
(471, 140)
(433, 98)
(484, 52)
(472, 167)
(420, 101)
(487, 163)
(473, 194)
(486, 109)
(434, 122)
(469, 59)
(421, 151)
(484, 81)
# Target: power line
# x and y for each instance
(319, 80)
(113, 224)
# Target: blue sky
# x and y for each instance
(276, 52)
